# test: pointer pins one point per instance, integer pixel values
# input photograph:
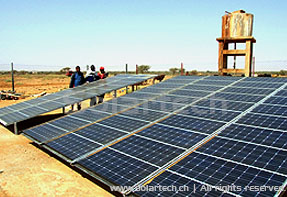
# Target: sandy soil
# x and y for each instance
(28, 171)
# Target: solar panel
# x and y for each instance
(230, 134)
(224, 104)
(154, 90)
(125, 101)
(143, 114)
(251, 91)
(264, 121)
(208, 113)
(147, 150)
(258, 156)
(66, 97)
(271, 109)
(100, 133)
(213, 82)
(190, 93)
(72, 146)
(176, 99)
(188, 186)
(194, 124)
(277, 100)
(267, 137)
(237, 97)
(170, 135)
(219, 172)
(202, 87)
(259, 85)
(125, 124)
(116, 167)
(160, 106)
(141, 95)
(282, 93)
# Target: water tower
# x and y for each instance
(236, 28)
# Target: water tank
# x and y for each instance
(237, 24)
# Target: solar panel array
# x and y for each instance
(29, 109)
(194, 131)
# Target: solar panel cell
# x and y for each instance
(190, 93)
(237, 97)
(90, 115)
(72, 146)
(117, 168)
(100, 134)
(219, 172)
(204, 126)
(256, 135)
(201, 87)
(258, 85)
(147, 150)
(143, 114)
(44, 132)
(264, 121)
(247, 90)
(249, 154)
(269, 109)
(69, 123)
(124, 124)
(281, 93)
(160, 106)
(177, 137)
(224, 104)
(123, 100)
(276, 100)
(176, 99)
(214, 114)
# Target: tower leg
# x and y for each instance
(248, 58)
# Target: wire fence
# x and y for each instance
(266, 65)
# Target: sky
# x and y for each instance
(50, 35)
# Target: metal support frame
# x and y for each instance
(16, 128)
(115, 94)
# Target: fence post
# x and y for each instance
(12, 75)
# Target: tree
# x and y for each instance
(283, 72)
(143, 68)
(193, 72)
(174, 70)
(64, 70)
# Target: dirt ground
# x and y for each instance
(26, 170)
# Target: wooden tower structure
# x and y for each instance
(236, 28)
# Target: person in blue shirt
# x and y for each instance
(77, 79)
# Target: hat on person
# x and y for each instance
(102, 68)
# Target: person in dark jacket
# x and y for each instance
(77, 79)
(101, 75)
